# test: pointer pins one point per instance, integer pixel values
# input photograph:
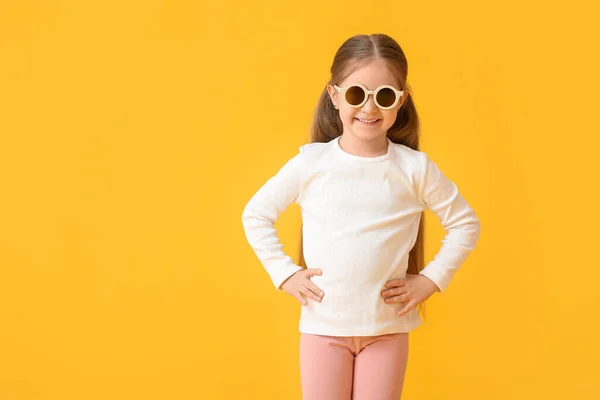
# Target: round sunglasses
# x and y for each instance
(356, 95)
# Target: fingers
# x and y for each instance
(395, 283)
(411, 304)
(310, 285)
(313, 271)
(301, 299)
(394, 292)
(396, 299)
(305, 287)
(396, 295)
(314, 289)
(309, 293)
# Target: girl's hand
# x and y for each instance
(300, 285)
(413, 289)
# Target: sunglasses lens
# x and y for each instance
(386, 97)
(355, 95)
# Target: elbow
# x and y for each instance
(474, 224)
(469, 231)
(246, 213)
(476, 230)
(255, 215)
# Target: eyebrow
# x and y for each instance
(389, 84)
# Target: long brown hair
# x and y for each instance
(326, 125)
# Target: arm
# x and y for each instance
(442, 197)
(262, 211)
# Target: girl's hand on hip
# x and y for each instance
(300, 285)
(413, 289)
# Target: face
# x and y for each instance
(371, 75)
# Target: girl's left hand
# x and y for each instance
(413, 289)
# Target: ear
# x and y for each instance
(332, 94)
(402, 99)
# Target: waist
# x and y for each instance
(359, 318)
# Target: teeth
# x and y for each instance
(366, 121)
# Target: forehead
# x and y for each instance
(372, 74)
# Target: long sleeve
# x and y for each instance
(262, 211)
(442, 197)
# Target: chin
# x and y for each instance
(367, 135)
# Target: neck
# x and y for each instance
(364, 148)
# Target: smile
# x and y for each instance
(368, 121)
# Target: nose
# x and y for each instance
(370, 105)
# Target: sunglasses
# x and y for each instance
(356, 95)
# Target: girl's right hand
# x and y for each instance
(300, 285)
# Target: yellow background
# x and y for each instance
(132, 134)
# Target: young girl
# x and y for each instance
(362, 185)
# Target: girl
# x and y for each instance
(362, 185)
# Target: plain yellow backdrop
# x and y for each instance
(132, 134)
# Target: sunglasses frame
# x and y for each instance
(342, 91)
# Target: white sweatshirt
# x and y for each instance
(360, 220)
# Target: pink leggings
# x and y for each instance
(353, 368)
